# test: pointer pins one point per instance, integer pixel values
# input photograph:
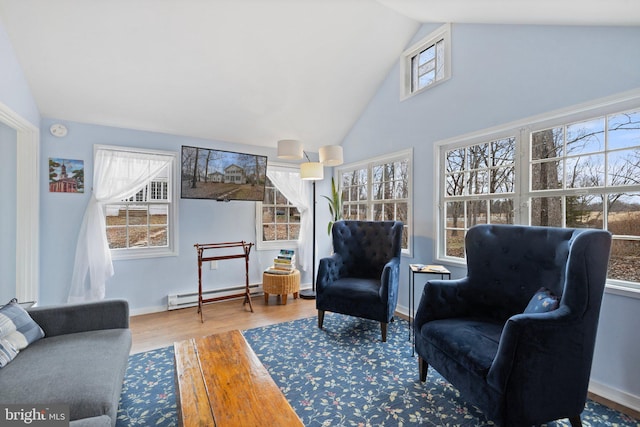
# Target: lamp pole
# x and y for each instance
(306, 293)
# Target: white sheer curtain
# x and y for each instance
(117, 175)
(297, 192)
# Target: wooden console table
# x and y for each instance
(221, 382)
(201, 248)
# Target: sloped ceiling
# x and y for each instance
(246, 71)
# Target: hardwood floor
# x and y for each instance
(151, 331)
(162, 329)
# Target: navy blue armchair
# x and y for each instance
(361, 277)
(516, 335)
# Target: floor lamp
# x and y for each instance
(330, 155)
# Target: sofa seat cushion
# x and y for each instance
(83, 370)
(472, 342)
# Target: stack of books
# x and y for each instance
(284, 263)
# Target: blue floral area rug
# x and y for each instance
(342, 375)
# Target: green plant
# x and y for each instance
(335, 205)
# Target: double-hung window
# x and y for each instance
(379, 189)
(144, 224)
(574, 169)
(277, 219)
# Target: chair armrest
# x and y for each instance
(441, 299)
(529, 352)
(72, 318)
(389, 278)
(328, 271)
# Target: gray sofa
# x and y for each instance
(80, 362)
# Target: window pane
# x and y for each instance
(623, 130)
(547, 144)
(623, 218)
(476, 212)
(268, 214)
(138, 215)
(116, 215)
(503, 151)
(584, 211)
(478, 156)
(478, 182)
(281, 214)
(455, 184)
(159, 214)
(454, 160)
(502, 180)
(427, 55)
(401, 190)
(546, 175)
(282, 232)
(585, 171)
(585, 137)
(402, 210)
(546, 211)
(440, 60)
(623, 263)
(158, 236)
(623, 167)
(268, 232)
(502, 211)
(454, 244)
(454, 212)
(138, 237)
(117, 237)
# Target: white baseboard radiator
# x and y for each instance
(177, 301)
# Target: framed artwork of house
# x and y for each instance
(66, 175)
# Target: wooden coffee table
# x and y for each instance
(221, 382)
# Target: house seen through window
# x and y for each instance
(280, 219)
(142, 225)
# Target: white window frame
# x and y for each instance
(274, 244)
(369, 164)
(173, 192)
(406, 69)
(523, 129)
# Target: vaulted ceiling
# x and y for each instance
(247, 71)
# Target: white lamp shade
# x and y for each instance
(331, 155)
(311, 171)
(290, 149)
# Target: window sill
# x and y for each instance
(120, 255)
(621, 290)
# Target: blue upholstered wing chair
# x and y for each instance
(361, 277)
(520, 352)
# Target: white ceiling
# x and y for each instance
(247, 71)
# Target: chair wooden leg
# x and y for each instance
(423, 367)
(575, 421)
(383, 327)
(320, 318)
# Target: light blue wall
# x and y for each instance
(502, 73)
(14, 90)
(8, 151)
(16, 95)
(144, 283)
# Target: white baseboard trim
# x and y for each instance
(157, 309)
(618, 396)
(147, 310)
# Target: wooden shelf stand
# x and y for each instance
(210, 247)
